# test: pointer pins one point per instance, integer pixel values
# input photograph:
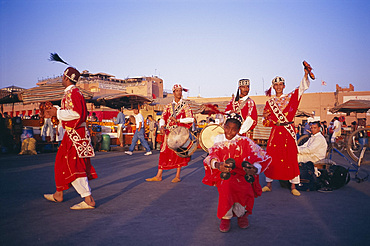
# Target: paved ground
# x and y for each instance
(131, 211)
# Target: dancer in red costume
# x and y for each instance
(243, 105)
(72, 163)
(236, 195)
(279, 114)
(176, 113)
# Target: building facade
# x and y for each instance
(317, 104)
(103, 84)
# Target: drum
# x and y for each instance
(182, 141)
(208, 134)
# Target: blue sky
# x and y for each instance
(206, 46)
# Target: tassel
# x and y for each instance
(268, 92)
(237, 96)
(56, 57)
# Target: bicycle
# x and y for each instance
(339, 143)
(303, 139)
(356, 166)
(358, 145)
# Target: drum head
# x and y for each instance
(177, 137)
(190, 149)
(208, 134)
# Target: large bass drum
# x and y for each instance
(208, 134)
(182, 141)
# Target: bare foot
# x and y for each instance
(58, 195)
(90, 200)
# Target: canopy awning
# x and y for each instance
(10, 94)
(119, 100)
(160, 103)
(301, 113)
(49, 92)
(358, 106)
(8, 97)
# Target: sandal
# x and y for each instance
(82, 205)
(153, 179)
(176, 180)
(266, 189)
(50, 197)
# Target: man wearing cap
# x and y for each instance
(72, 163)
(176, 113)
(243, 105)
(279, 113)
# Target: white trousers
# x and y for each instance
(238, 210)
(334, 136)
(296, 180)
(82, 187)
(47, 129)
(120, 132)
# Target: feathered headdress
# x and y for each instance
(71, 73)
(55, 57)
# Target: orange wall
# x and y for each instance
(318, 102)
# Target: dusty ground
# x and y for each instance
(131, 211)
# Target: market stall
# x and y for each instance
(118, 100)
(115, 101)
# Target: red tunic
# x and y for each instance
(168, 159)
(282, 144)
(244, 108)
(236, 189)
(73, 157)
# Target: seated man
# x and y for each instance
(315, 148)
(236, 194)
